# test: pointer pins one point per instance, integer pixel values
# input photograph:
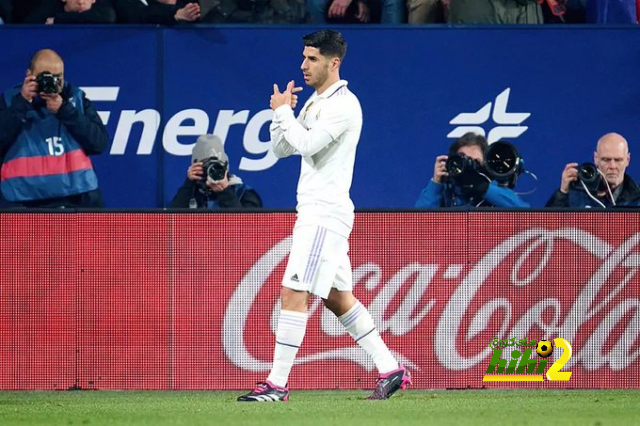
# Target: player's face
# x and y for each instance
(315, 67)
(472, 151)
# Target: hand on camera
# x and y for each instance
(439, 169)
(220, 185)
(29, 87)
(569, 175)
(53, 101)
(195, 172)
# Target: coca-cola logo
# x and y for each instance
(600, 306)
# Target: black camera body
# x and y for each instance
(462, 170)
(589, 175)
(48, 82)
(214, 169)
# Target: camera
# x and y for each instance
(48, 82)
(503, 163)
(463, 170)
(589, 175)
(459, 165)
(214, 169)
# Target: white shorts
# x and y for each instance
(318, 261)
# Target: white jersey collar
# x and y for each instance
(333, 88)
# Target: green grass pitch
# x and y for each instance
(468, 407)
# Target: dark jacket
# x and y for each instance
(86, 129)
(5, 11)
(236, 195)
(495, 12)
(100, 13)
(135, 12)
(440, 195)
(20, 9)
(629, 197)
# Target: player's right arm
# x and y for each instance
(279, 145)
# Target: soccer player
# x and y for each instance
(325, 135)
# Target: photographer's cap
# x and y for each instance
(208, 146)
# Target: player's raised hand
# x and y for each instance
(291, 87)
(278, 99)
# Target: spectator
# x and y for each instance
(495, 12)
(472, 187)
(360, 11)
(5, 11)
(163, 12)
(425, 11)
(214, 188)
(253, 11)
(20, 9)
(48, 129)
(72, 12)
(615, 187)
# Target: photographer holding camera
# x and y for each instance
(600, 185)
(48, 128)
(460, 179)
(209, 185)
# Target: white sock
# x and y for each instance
(291, 328)
(361, 327)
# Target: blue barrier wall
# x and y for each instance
(552, 91)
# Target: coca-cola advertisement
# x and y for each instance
(190, 301)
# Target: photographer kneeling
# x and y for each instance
(460, 179)
(600, 185)
(209, 185)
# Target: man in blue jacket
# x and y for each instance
(442, 191)
(48, 129)
(616, 187)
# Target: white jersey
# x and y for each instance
(326, 135)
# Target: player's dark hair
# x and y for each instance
(329, 42)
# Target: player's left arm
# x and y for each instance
(331, 123)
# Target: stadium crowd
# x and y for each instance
(173, 12)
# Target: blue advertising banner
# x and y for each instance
(551, 91)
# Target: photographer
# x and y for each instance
(471, 187)
(209, 185)
(48, 128)
(600, 185)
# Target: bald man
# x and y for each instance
(48, 129)
(616, 188)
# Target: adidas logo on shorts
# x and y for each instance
(295, 278)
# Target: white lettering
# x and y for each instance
(253, 144)
(226, 119)
(175, 128)
(150, 120)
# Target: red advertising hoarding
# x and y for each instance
(189, 301)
